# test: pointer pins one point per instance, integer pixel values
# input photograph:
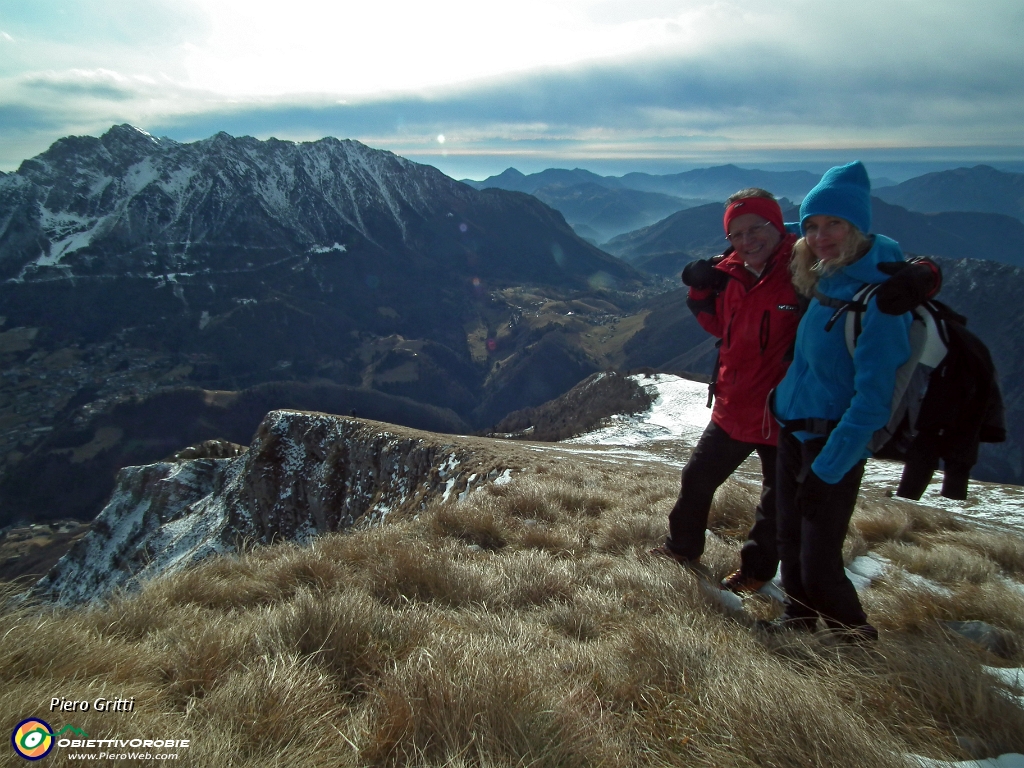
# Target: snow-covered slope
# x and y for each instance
(679, 413)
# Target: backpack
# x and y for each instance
(946, 399)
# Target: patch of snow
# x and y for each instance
(469, 487)
(728, 600)
(679, 410)
(1011, 760)
(448, 486)
(1011, 678)
(449, 464)
(67, 232)
(869, 567)
(325, 249)
(860, 583)
(986, 502)
(773, 589)
(140, 176)
(504, 478)
(926, 584)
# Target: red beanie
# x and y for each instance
(764, 207)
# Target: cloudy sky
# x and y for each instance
(475, 86)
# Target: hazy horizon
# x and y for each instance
(473, 88)
(883, 167)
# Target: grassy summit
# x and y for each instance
(525, 626)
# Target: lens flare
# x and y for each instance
(602, 280)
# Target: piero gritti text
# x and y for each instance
(60, 704)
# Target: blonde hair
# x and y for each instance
(807, 269)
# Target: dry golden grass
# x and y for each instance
(527, 626)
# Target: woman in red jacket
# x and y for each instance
(745, 298)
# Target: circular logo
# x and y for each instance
(32, 739)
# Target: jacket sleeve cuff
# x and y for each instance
(936, 271)
(698, 301)
(843, 449)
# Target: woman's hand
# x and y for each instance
(912, 283)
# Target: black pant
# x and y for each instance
(812, 527)
(715, 457)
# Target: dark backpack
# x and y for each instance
(946, 400)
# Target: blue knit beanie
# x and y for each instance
(844, 191)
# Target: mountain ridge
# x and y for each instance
(980, 188)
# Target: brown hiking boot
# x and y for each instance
(662, 550)
(695, 566)
(739, 583)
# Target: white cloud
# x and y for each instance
(591, 77)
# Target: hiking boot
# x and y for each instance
(662, 550)
(739, 583)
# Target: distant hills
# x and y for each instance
(665, 247)
(981, 188)
(715, 183)
(954, 234)
(718, 182)
(601, 207)
(599, 213)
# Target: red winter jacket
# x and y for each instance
(756, 318)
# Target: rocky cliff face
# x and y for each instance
(304, 474)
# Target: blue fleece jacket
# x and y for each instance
(824, 381)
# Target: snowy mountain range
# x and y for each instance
(129, 202)
(229, 263)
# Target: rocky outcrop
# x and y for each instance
(304, 474)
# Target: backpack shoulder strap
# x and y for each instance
(853, 308)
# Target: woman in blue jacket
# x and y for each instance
(831, 402)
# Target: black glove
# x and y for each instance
(702, 275)
(912, 283)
